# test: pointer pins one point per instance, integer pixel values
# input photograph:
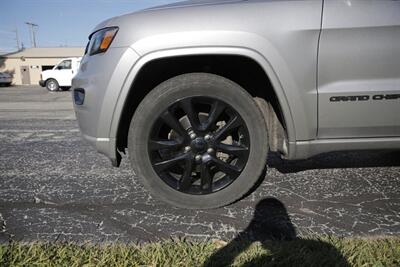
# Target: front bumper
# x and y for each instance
(101, 78)
(5, 80)
(42, 83)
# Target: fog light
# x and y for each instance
(79, 96)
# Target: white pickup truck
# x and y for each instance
(61, 75)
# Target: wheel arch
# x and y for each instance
(140, 81)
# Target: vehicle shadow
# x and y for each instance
(350, 159)
(272, 227)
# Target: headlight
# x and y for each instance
(101, 40)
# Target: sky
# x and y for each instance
(61, 22)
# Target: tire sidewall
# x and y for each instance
(181, 87)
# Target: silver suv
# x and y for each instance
(199, 92)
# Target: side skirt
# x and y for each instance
(307, 149)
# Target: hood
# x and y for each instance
(189, 3)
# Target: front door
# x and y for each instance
(359, 69)
(25, 75)
(64, 73)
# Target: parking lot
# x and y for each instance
(54, 186)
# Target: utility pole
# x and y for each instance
(33, 34)
(17, 37)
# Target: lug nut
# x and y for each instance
(187, 149)
(207, 137)
(210, 151)
(198, 158)
(193, 136)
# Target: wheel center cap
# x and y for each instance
(199, 144)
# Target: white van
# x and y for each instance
(61, 75)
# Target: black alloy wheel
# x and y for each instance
(199, 145)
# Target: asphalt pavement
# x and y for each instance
(54, 186)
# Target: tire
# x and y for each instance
(241, 124)
(52, 85)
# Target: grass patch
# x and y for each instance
(322, 251)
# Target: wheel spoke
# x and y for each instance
(193, 116)
(166, 164)
(173, 122)
(206, 178)
(236, 150)
(216, 110)
(232, 124)
(186, 179)
(164, 144)
(226, 168)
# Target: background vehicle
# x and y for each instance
(5, 79)
(198, 95)
(61, 75)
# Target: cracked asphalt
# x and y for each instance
(54, 186)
